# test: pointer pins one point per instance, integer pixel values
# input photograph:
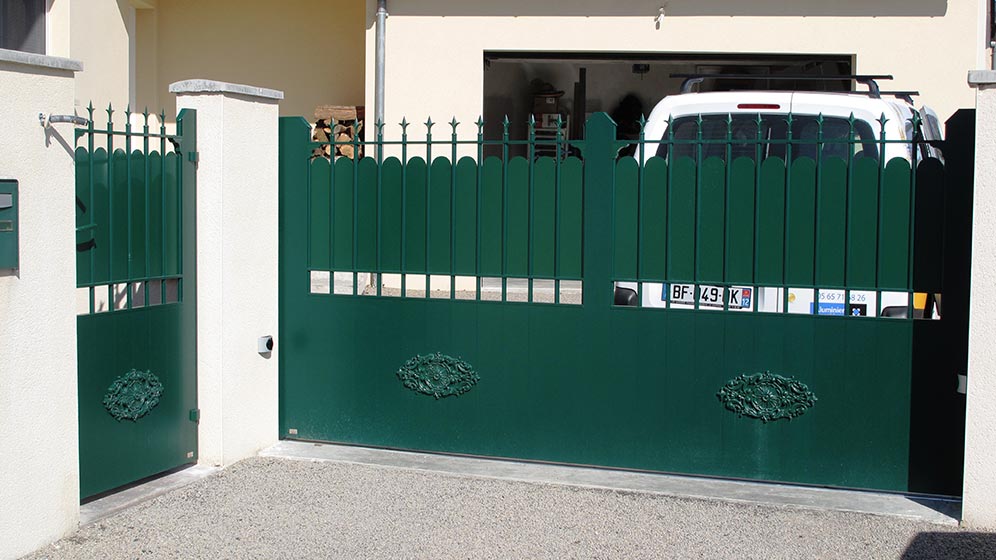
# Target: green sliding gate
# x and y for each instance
(136, 303)
(772, 331)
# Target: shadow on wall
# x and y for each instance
(674, 8)
(950, 545)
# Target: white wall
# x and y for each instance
(236, 266)
(39, 462)
(435, 64)
(979, 501)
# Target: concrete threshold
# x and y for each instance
(132, 496)
(928, 509)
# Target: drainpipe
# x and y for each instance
(379, 71)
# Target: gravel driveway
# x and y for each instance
(280, 508)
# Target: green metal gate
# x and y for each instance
(136, 301)
(766, 341)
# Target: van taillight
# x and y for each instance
(759, 106)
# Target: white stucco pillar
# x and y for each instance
(39, 444)
(979, 500)
(236, 265)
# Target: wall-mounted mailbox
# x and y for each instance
(8, 225)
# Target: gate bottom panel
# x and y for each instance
(134, 425)
(670, 391)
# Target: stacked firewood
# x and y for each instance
(341, 124)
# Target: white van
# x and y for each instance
(744, 109)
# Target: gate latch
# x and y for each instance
(195, 415)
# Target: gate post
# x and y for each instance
(979, 492)
(600, 149)
(39, 460)
(236, 266)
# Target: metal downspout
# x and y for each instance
(379, 70)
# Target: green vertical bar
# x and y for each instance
(862, 239)
(728, 168)
(504, 210)
(414, 231)
(380, 206)
(156, 253)
(172, 215)
(832, 222)
(366, 215)
(439, 226)
(740, 221)
(531, 206)
(800, 231)
(681, 221)
(544, 218)
(928, 240)
(355, 160)
(148, 209)
(653, 257)
(454, 164)
(84, 216)
(517, 210)
(465, 218)
(404, 206)
(120, 216)
(711, 221)
(162, 206)
(894, 237)
(180, 261)
(139, 223)
(428, 208)
(111, 277)
(491, 217)
(789, 193)
(558, 147)
(129, 213)
(390, 205)
(342, 219)
(571, 213)
(625, 221)
(101, 216)
(478, 180)
(319, 244)
(771, 222)
(92, 201)
(599, 174)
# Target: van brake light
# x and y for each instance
(759, 106)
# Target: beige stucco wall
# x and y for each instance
(313, 50)
(39, 463)
(101, 35)
(435, 64)
(236, 273)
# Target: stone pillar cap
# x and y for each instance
(214, 86)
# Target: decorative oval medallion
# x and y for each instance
(766, 396)
(438, 375)
(133, 395)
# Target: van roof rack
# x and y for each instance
(866, 79)
(906, 96)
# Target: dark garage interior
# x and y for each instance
(625, 85)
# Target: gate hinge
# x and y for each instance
(194, 156)
(195, 415)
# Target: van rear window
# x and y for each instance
(769, 139)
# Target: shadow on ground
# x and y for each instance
(950, 545)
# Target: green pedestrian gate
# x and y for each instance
(136, 303)
(719, 311)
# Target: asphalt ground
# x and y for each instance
(281, 508)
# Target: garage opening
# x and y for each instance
(625, 85)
